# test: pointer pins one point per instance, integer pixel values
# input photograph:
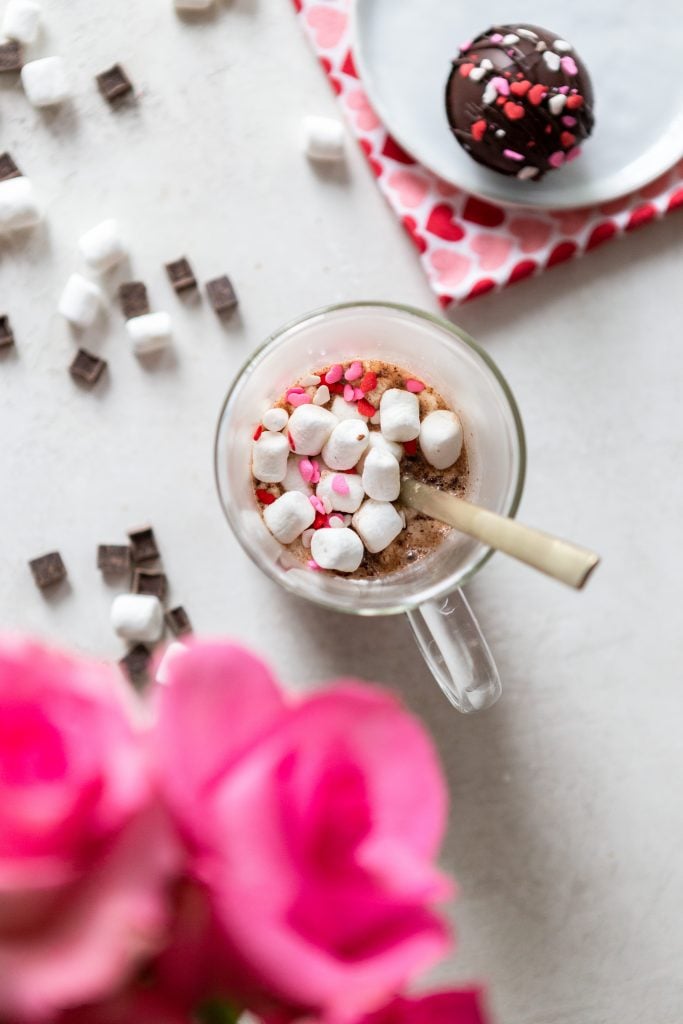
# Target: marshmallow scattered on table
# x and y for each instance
(149, 332)
(289, 516)
(381, 476)
(399, 415)
(339, 549)
(344, 491)
(18, 206)
(269, 457)
(378, 524)
(275, 419)
(137, 617)
(346, 444)
(309, 427)
(102, 246)
(80, 301)
(323, 138)
(21, 21)
(441, 438)
(45, 82)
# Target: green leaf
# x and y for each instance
(217, 1011)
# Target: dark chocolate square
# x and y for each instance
(135, 664)
(48, 569)
(221, 294)
(11, 56)
(87, 368)
(8, 168)
(178, 621)
(181, 275)
(114, 83)
(143, 545)
(6, 332)
(133, 298)
(113, 559)
(146, 581)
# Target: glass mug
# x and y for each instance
(428, 590)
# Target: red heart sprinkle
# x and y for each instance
(567, 139)
(520, 88)
(410, 447)
(365, 408)
(265, 497)
(465, 69)
(514, 111)
(477, 130)
(258, 431)
(537, 94)
(368, 382)
(574, 102)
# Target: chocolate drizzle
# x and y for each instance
(519, 100)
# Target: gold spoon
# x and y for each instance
(558, 558)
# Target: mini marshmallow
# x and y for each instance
(102, 247)
(22, 21)
(18, 207)
(346, 444)
(138, 617)
(309, 427)
(344, 410)
(45, 82)
(441, 438)
(378, 524)
(323, 138)
(350, 501)
(275, 419)
(149, 332)
(173, 651)
(377, 440)
(339, 549)
(293, 480)
(381, 476)
(269, 457)
(289, 516)
(80, 301)
(399, 415)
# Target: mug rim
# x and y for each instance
(444, 587)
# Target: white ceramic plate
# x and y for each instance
(634, 53)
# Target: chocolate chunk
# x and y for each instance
(143, 545)
(146, 581)
(114, 83)
(221, 294)
(136, 664)
(113, 559)
(86, 367)
(6, 332)
(133, 298)
(8, 168)
(48, 569)
(181, 275)
(178, 621)
(11, 56)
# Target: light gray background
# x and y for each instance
(567, 815)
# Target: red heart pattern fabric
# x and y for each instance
(468, 247)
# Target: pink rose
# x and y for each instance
(85, 853)
(313, 825)
(458, 1006)
(137, 1006)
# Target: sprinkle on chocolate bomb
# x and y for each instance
(520, 100)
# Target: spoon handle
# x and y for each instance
(558, 558)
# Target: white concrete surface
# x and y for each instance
(567, 815)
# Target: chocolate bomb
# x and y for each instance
(520, 101)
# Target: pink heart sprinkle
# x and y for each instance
(358, 393)
(317, 504)
(306, 470)
(501, 85)
(557, 159)
(297, 400)
(313, 565)
(349, 392)
(573, 153)
(568, 65)
(496, 38)
(354, 372)
(340, 484)
(334, 374)
(569, 120)
(315, 479)
(295, 391)
(564, 89)
(416, 386)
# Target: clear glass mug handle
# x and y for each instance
(456, 652)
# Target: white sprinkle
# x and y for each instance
(309, 380)
(476, 74)
(556, 103)
(322, 395)
(562, 45)
(526, 33)
(527, 173)
(500, 133)
(486, 63)
(552, 60)
(275, 420)
(540, 46)
(490, 93)
(510, 39)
